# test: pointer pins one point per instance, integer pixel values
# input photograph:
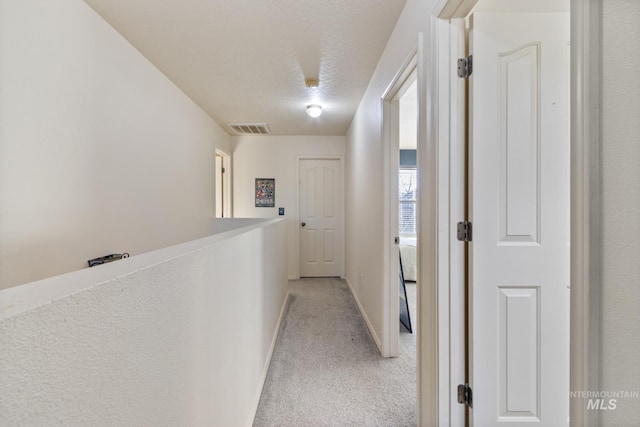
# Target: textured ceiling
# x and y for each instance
(247, 60)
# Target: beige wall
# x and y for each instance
(365, 251)
(620, 303)
(99, 152)
(276, 157)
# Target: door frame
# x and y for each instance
(296, 233)
(585, 219)
(432, 228)
(390, 100)
(586, 179)
(227, 211)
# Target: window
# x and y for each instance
(408, 181)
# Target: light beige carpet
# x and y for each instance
(326, 369)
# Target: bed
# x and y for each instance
(408, 255)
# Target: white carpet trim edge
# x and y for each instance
(265, 370)
(372, 331)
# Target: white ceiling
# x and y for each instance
(409, 118)
(522, 6)
(247, 60)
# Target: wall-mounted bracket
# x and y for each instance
(106, 258)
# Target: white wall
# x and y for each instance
(220, 225)
(365, 260)
(620, 322)
(177, 337)
(99, 152)
(276, 157)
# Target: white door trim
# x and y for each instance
(586, 240)
(429, 232)
(227, 189)
(441, 317)
(585, 213)
(450, 202)
(296, 243)
(391, 144)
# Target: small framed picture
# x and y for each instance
(265, 192)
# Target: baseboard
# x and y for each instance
(263, 377)
(372, 331)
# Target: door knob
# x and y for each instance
(303, 224)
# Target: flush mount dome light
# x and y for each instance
(314, 110)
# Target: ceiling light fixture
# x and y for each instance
(312, 82)
(314, 110)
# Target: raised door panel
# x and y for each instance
(519, 144)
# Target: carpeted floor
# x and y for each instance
(326, 369)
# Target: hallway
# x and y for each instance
(326, 369)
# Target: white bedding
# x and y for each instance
(408, 255)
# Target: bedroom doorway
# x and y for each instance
(408, 179)
(407, 215)
(400, 124)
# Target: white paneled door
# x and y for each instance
(321, 218)
(519, 120)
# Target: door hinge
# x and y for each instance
(224, 170)
(464, 231)
(465, 67)
(465, 395)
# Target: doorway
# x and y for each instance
(408, 215)
(222, 185)
(400, 130)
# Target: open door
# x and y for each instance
(519, 210)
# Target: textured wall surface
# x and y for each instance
(620, 320)
(99, 152)
(177, 337)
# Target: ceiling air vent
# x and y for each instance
(250, 128)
